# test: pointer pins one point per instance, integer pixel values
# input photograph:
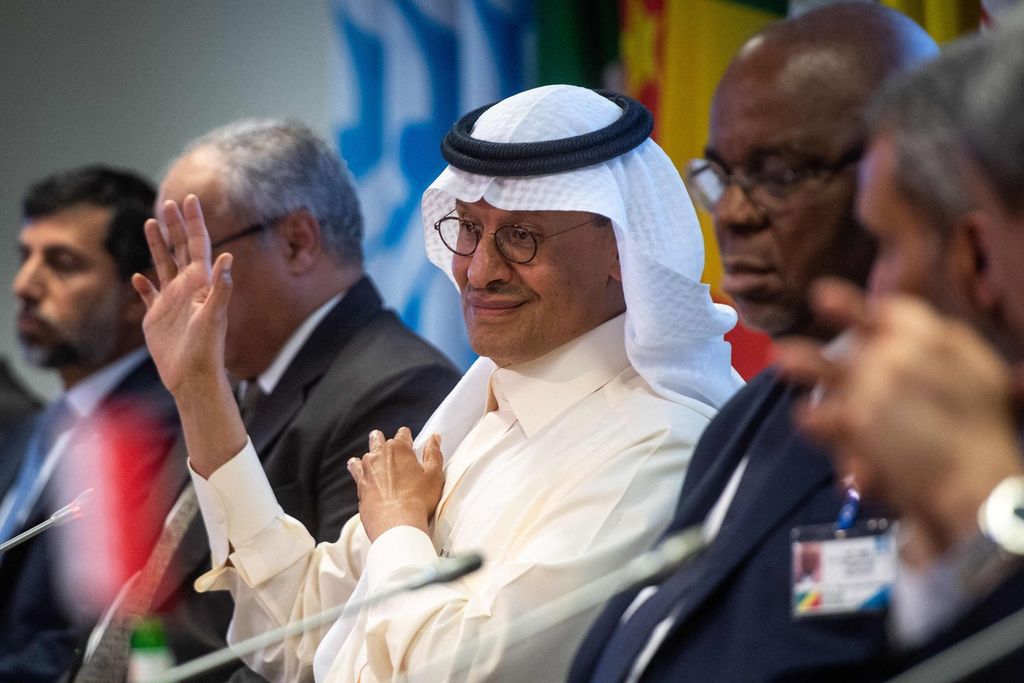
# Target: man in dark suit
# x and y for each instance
(320, 362)
(80, 241)
(779, 179)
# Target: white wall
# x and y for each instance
(128, 82)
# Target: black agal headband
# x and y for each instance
(519, 159)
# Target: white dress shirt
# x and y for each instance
(573, 469)
(269, 378)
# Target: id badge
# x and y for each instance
(842, 572)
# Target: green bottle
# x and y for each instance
(149, 655)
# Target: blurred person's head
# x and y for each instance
(942, 184)
(282, 202)
(81, 240)
(558, 213)
(779, 172)
(993, 128)
(912, 192)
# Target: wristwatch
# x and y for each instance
(1001, 516)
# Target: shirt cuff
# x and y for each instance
(396, 550)
(237, 502)
(963, 576)
(916, 614)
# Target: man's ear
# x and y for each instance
(975, 230)
(302, 234)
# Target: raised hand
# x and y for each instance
(185, 325)
(395, 489)
(186, 318)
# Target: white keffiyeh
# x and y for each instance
(673, 328)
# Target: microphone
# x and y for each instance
(448, 569)
(651, 566)
(73, 510)
(445, 569)
(970, 655)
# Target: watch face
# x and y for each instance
(1002, 515)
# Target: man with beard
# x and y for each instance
(81, 239)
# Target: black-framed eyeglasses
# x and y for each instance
(516, 243)
(767, 189)
(251, 230)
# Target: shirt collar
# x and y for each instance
(87, 394)
(272, 375)
(540, 390)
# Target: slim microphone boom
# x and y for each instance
(445, 569)
(970, 655)
(73, 510)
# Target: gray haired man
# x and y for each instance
(318, 360)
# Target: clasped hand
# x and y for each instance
(395, 489)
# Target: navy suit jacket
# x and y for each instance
(732, 603)
(360, 369)
(39, 632)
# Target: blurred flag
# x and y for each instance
(405, 70)
(117, 453)
(945, 20)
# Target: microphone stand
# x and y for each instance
(658, 562)
(73, 510)
(971, 654)
(446, 569)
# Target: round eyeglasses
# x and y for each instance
(515, 243)
(767, 190)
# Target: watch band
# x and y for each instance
(1001, 516)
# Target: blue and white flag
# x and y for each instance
(403, 72)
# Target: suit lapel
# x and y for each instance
(276, 411)
(782, 471)
(770, 489)
(14, 453)
(713, 466)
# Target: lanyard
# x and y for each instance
(851, 506)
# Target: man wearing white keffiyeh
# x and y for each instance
(564, 448)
